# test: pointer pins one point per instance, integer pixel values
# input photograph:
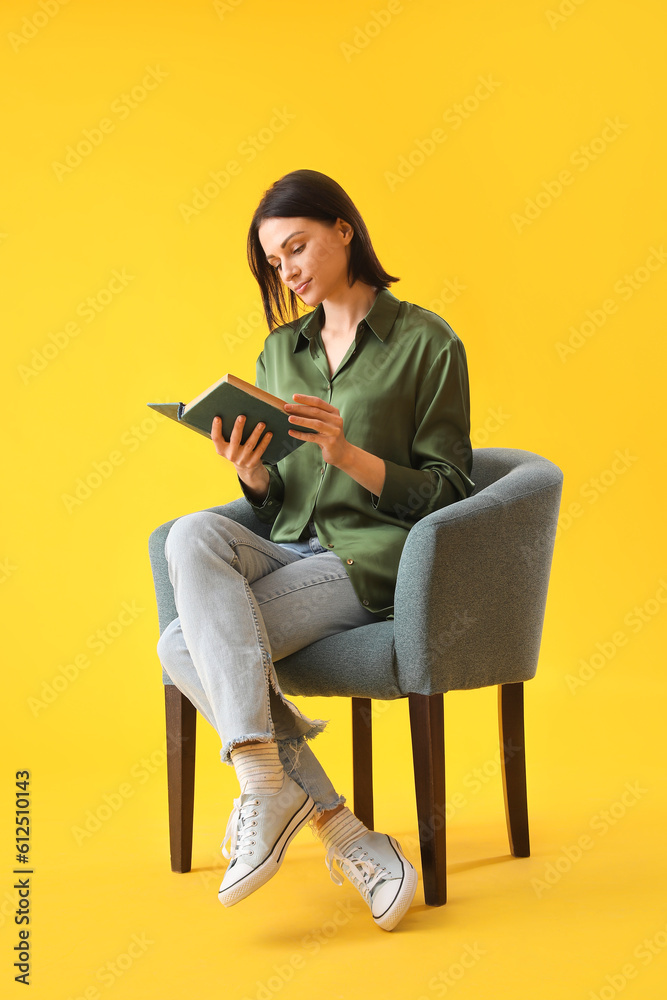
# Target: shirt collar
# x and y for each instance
(379, 318)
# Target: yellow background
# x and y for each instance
(359, 86)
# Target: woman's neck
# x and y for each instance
(343, 312)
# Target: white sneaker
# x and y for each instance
(260, 828)
(376, 866)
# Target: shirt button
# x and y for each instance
(322, 471)
(349, 561)
(330, 545)
(364, 602)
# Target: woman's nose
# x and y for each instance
(289, 271)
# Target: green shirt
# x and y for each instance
(402, 391)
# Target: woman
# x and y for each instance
(380, 389)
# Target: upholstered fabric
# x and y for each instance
(470, 593)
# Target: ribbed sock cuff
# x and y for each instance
(341, 830)
(258, 768)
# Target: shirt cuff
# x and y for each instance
(410, 494)
(273, 500)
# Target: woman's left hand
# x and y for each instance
(325, 419)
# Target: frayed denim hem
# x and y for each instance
(324, 807)
(225, 752)
(295, 745)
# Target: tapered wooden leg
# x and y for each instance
(427, 726)
(181, 738)
(362, 760)
(513, 758)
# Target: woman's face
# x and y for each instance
(310, 256)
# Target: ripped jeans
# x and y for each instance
(244, 602)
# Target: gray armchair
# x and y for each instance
(469, 609)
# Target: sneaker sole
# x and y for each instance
(268, 868)
(403, 901)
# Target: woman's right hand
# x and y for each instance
(246, 458)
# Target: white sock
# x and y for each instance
(258, 768)
(341, 830)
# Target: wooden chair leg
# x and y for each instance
(181, 738)
(362, 760)
(513, 759)
(427, 726)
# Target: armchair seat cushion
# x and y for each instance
(470, 592)
(357, 663)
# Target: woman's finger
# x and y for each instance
(216, 436)
(325, 426)
(310, 411)
(263, 444)
(256, 432)
(300, 397)
(237, 430)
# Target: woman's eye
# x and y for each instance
(295, 250)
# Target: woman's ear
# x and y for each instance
(346, 229)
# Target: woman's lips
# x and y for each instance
(302, 287)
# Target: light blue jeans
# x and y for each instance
(244, 602)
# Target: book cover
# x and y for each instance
(229, 397)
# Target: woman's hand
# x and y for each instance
(246, 458)
(311, 411)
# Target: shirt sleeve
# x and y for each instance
(267, 511)
(441, 451)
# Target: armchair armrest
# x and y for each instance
(472, 583)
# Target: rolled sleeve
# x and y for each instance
(441, 453)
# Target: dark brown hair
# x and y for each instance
(310, 195)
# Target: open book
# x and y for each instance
(228, 398)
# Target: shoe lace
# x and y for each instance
(240, 829)
(360, 868)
